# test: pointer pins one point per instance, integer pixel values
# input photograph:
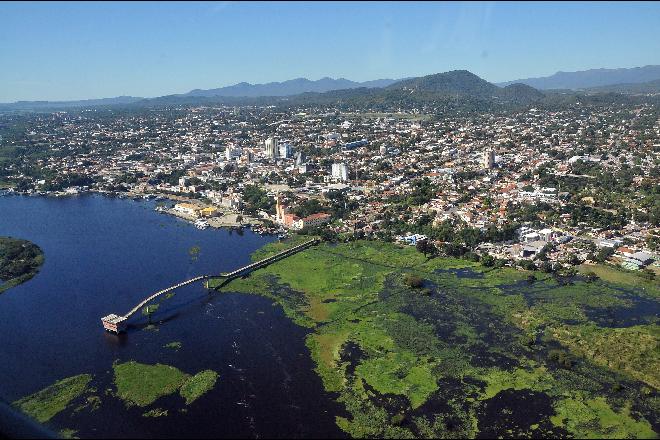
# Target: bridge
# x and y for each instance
(116, 323)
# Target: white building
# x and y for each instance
(489, 159)
(286, 151)
(271, 148)
(340, 171)
(232, 153)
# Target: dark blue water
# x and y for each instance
(103, 256)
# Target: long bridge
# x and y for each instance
(116, 323)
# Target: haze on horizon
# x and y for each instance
(70, 50)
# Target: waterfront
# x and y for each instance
(104, 255)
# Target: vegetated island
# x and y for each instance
(449, 348)
(136, 384)
(20, 260)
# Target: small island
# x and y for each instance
(20, 260)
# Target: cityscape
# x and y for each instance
(433, 256)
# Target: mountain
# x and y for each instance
(453, 83)
(54, 105)
(288, 88)
(647, 87)
(592, 78)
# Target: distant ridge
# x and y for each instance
(288, 88)
(52, 105)
(586, 79)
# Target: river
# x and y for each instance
(103, 255)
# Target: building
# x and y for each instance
(340, 172)
(489, 159)
(636, 260)
(188, 209)
(232, 153)
(312, 221)
(271, 148)
(114, 323)
(285, 151)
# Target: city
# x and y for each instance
(330, 220)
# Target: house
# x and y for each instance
(188, 209)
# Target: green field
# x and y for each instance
(431, 361)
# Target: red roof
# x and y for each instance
(316, 216)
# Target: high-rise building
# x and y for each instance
(340, 171)
(489, 159)
(286, 151)
(271, 148)
(300, 158)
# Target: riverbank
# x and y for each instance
(20, 260)
(463, 354)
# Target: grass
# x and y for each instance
(142, 384)
(594, 418)
(617, 275)
(198, 385)
(174, 345)
(45, 404)
(400, 373)
(470, 329)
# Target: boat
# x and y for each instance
(201, 224)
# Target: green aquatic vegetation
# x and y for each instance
(535, 379)
(193, 252)
(632, 350)
(400, 373)
(594, 418)
(45, 404)
(625, 278)
(20, 260)
(156, 412)
(142, 384)
(174, 345)
(92, 402)
(198, 385)
(68, 433)
(474, 336)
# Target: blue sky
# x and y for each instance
(77, 50)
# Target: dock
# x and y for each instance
(117, 323)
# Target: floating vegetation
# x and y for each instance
(45, 404)
(68, 433)
(156, 412)
(198, 385)
(142, 384)
(194, 252)
(485, 352)
(175, 345)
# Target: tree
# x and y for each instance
(488, 260)
(425, 247)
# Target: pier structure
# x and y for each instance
(117, 323)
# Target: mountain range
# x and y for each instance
(457, 85)
(586, 79)
(288, 88)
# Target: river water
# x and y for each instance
(104, 255)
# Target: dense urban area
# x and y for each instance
(483, 263)
(546, 188)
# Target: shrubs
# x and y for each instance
(413, 281)
(562, 358)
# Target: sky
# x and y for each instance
(78, 50)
